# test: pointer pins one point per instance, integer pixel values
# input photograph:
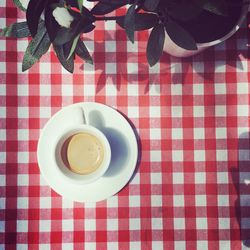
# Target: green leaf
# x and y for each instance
(38, 46)
(34, 11)
(82, 51)
(103, 8)
(19, 5)
(86, 15)
(73, 47)
(72, 3)
(65, 35)
(143, 21)
(82, 25)
(129, 23)
(155, 44)
(151, 5)
(60, 52)
(80, 3)
(17, 30)
(87, 27)
(51, 24)
(180, 36)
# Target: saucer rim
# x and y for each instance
(131, 165)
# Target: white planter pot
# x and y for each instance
(171, 48)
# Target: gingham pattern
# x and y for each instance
(190, 190)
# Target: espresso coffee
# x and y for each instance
(85, 153)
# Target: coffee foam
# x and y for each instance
(85, 153)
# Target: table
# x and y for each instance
(190, 190)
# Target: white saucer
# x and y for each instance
(123, 144)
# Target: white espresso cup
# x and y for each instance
(82, 154)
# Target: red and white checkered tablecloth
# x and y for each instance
(191, 187)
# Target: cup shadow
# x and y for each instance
(118, 142)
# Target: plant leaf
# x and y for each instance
(67, 64)
(51, 24)
(65, 35)
(17, 30)
(82, 51)
(83, 22)
(155, 44)
(218, 7)
(103, 8)
(38, 46)
(87, 28)
(80, 3)
(184, 10)
(72, 3)
(114, 1)
(124, 2)
(73, 47)
(143, 21)
(87, 15)
(19, 5)
(34, 11)
(180, 36)
(61, 35)
(104, 1)
(129, 23)
(151, 5)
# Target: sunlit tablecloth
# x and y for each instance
(192, 115)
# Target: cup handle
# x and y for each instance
(77, 116)
(84, 116)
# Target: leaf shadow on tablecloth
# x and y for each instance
(209, 65)
(126, 63)
(111, 59)
(241, 180)
(118, 142)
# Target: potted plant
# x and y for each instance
(218, 21)
(181, 27)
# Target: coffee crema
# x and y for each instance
(85, 153)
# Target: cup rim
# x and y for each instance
(64, 171)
